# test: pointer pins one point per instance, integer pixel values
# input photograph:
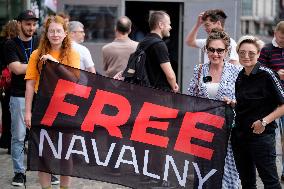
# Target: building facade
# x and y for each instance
(258, 16)
(99, 18)
(9, 9)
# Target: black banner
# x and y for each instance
(93, 127)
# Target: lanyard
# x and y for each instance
(24, 49)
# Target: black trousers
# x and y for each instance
(256, 152)
(5, 139)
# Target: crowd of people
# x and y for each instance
(247, 75)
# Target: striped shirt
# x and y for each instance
(272, 56)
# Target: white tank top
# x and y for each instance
(212, 89)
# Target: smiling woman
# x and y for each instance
(216, 80)
(249, 51)
(55, 45)
(260, 100)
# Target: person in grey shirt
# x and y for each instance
(77, 35)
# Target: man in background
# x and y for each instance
(161, 76)
(210, 19)
(159, 70)
(115, 59)
(271, 55)
(18, 51)
(116, 53)
(77, 34)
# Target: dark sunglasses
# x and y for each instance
(211, 50)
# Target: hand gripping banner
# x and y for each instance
(89, 126)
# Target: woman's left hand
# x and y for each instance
(48, 57)
(230, 101)
(257, 127)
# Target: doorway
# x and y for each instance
(138, 12)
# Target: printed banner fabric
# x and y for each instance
(89, 126)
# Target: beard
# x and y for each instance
(166, 34)
(27, 33)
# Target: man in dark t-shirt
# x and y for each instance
(18, 51)
(161, 76)
(158, 66)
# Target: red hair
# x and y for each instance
(45, 46)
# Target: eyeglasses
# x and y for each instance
(53, 32)
(243, 54)
(79, 32)
(219, 51)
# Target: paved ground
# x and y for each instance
(6, 174)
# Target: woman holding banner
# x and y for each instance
(215, 80)
(55, 45)
(260, 100)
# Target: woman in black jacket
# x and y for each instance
(259, 101)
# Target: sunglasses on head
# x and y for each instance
(213, 50)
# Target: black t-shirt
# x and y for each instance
(257, 95)
(18, 50)
(2, 53)
(156, 54)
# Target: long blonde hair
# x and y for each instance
(45, 46)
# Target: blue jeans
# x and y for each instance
(18, 131)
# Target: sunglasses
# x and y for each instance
(243, 54)
(212, 50)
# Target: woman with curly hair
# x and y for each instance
(216, 80)
(10, 29)
(55, 45)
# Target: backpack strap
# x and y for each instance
(20, 51)
(149, 42)
(146, 43)
(202, 54)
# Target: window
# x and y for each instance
(247, 7)
(99, 21)
(9, 9)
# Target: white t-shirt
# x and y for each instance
(233, 55)
(86, 60)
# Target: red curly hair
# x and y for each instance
(45, 46)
